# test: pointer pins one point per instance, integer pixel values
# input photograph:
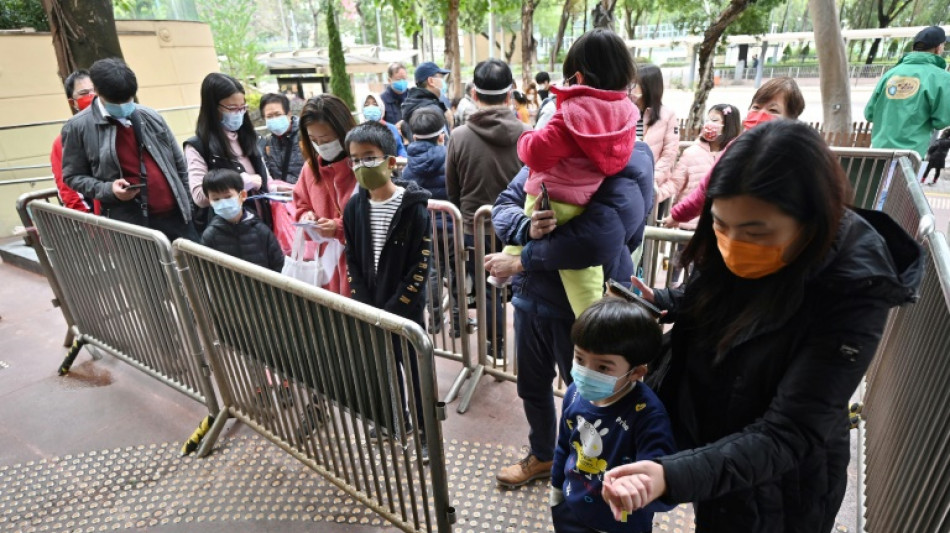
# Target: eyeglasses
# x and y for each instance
(234, 108)
(372, 161)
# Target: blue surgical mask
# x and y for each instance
(119, 110)
(372, 113)
(232, 121)
(400, 86)
(227, 208)
(278, 125)
(593, 386)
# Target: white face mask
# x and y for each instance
(328, 151)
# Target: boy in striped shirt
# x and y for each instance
(388, 241)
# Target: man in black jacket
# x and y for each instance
(430, 80)
(233, 230)
(280, 149)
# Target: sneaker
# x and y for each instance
(523, 472)
(374, 433)
(425, 453)
(311, 418)
(470, 324)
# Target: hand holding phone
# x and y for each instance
(619, 290)
(132, 187)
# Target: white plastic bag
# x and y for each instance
(320, 271)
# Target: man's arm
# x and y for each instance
(77, 173)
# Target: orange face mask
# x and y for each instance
(748, 260)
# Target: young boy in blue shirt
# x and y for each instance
(388, 241)
(609, 417)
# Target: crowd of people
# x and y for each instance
(784, 294)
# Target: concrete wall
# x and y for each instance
(170, 58)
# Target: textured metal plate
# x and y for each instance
(245, 479)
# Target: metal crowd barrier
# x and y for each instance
(906, 418)
(124, 296)
(31, 240)
(446, 299)
(870, 169)
(317, 374)
(905, 202)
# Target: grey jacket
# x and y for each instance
(91, 164)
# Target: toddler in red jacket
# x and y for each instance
(589, 138)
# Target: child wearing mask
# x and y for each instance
(388, 245)
(590, 137)
(609, 417)
(232, 229)
(776, 98)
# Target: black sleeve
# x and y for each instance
(275, 256)
(358, 290)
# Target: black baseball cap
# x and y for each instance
(931, 37)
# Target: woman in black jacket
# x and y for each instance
(772, 335)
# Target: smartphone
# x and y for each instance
(630, 296)
(131, 187)
(545, 199)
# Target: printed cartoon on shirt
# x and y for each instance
(590, 447)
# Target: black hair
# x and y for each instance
(271, 98)
(492, 75)
(945, 134)
(604, 60)
(374, 133)
(454, 103)
(214, 88)
(731, 123)
(542, 77)
(426, 121)
(613, 326)
(784, 163)
(222, 180)
(113, 80)
(331, 111)
(519, 97)
(70, 83)
(650, 80)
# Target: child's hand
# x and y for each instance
(668, 222)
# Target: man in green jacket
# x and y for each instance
(912, 99)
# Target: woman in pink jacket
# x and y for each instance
(776, 98)
(326, 181)
(657, 128)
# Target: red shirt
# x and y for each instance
(161, 201)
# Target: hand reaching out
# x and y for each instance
(633, 486)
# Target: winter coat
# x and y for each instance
(765, 431)
(592, 123)
(275, 148)
(248, 239)
(417, 99)
(399, 284)
(481, 159)
(937, 153)
(400, 146)
(909, 102)
(68, 197)
(693, 165)
(392, 102)
(326, 197)
(91, 163)
(426, 167)
(664, 140)
(605, 234)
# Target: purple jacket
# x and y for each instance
(605, 234)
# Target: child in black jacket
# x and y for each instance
(233, 230)
(388, 241)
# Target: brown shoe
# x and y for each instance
(524, 471)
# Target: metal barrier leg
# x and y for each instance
(207, 443)
(71, 356)
(470, 390)
(457, 385)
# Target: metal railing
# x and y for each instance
(123, 294)
(320, 376)
(30, 239)
(446, 299)
(905, 412)
(858, 137)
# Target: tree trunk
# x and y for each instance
(396, 29)
(707, 52)
(832, 69)
(512, 43)
(315, 12)
(359, 13)
(453, 58)
(872, 53)
(527, 40)
(565, 16)
(82, 32)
